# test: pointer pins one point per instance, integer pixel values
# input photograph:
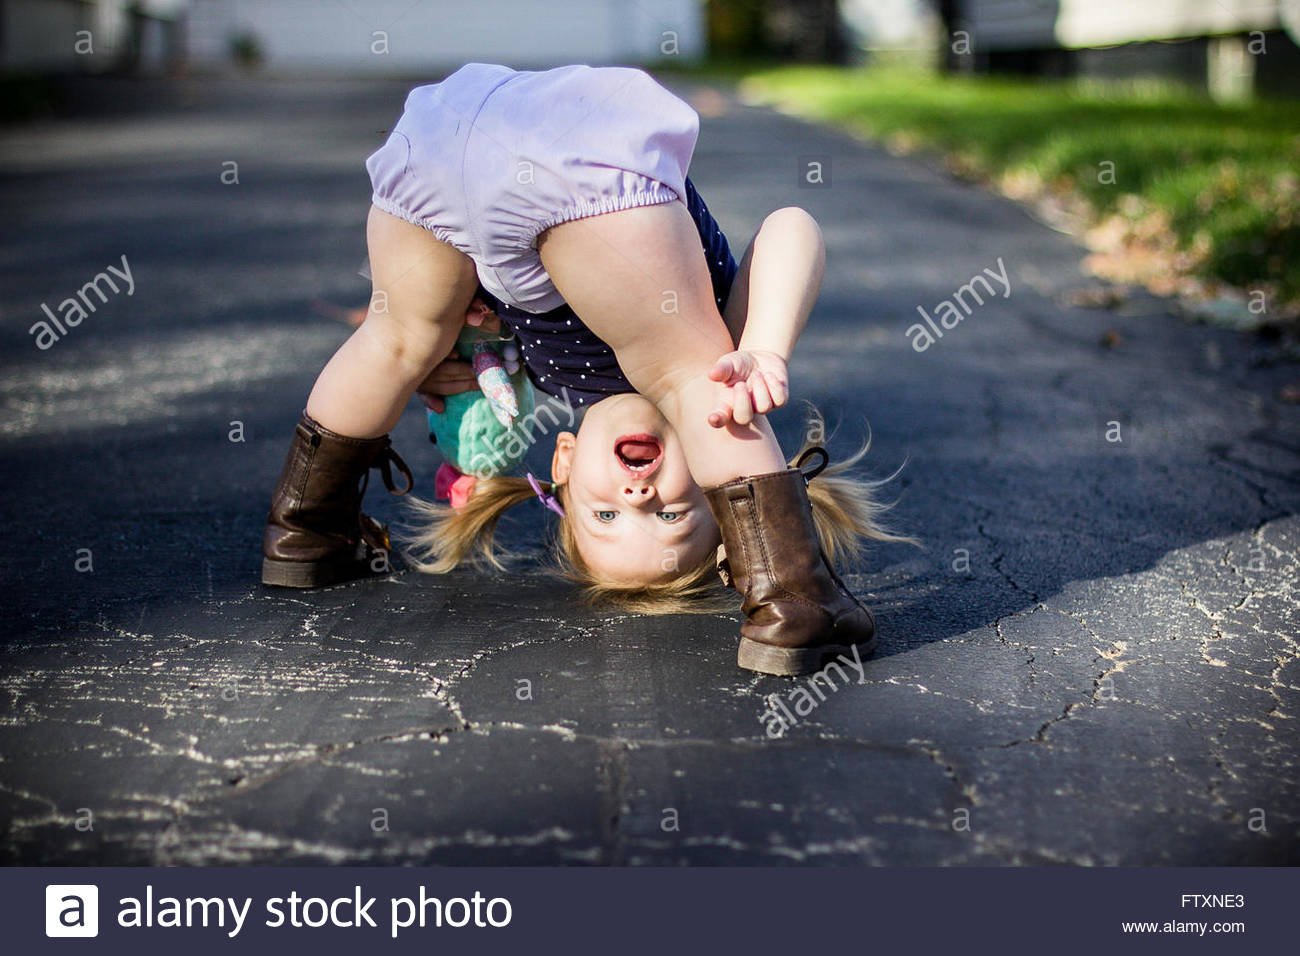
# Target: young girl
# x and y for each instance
(568, 187)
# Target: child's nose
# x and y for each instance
(639, 494)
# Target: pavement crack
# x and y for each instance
(996, 563)
(1030, 656)
(442, 694)
(1219, 455)
(443, 688)
(1114, 655)
(1214, 619)
(931, 750)
(243, 782)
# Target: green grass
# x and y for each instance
(1224, 181)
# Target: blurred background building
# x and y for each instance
(91, 36)
(402, 36)
(1233, 48)
(384, 37)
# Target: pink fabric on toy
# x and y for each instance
(451, 484)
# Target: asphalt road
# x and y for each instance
(1092, 661)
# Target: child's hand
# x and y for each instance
(451, 376)
(481, 317)
(754, 382)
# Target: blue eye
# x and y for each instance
(670, 516)
(606, 516)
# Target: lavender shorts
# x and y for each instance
(491, 157)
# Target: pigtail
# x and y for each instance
(846, 510)
(448, 537)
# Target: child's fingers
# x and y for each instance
(742, 409)
(721, 414)
(487, 321)
(454, 365)
(724, 369)
(455, 377)
(481, 317)
(451, 377)
(777, 388)
(451, 370)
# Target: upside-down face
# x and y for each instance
(637, 515)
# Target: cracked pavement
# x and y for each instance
(1092, 661)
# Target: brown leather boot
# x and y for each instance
(316, 534)
(797, 610)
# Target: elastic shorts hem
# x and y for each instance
(581, 210)
(393, 209)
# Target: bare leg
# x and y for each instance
(639, 280)
(422, 287)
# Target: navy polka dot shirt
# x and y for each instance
(562, 354)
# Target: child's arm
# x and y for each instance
(774, 291)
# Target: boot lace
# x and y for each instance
(385, 460)
(819, 468)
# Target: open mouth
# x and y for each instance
(638, 454)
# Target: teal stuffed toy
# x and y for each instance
(476, 431)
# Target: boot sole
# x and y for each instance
(311, 574)
(794, 661)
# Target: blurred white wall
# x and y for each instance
(413, 36)
(889, 24)
(1017, 24)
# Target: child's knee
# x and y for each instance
(795, 218)
(414, 345)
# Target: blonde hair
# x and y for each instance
(845, 510)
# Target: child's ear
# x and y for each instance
(562, 460)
